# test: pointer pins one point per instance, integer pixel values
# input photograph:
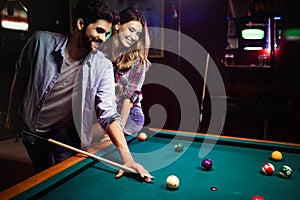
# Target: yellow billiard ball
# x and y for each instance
(172, 182)
(276, 155)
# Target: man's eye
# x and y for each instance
(100, 30)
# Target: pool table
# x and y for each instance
(236, 172)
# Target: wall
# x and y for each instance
(263, 103)
(205, 22)
(47, 15)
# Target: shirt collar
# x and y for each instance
(61, 45)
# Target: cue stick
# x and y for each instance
(204, 88)
(123, 167)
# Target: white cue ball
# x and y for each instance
(172, 182)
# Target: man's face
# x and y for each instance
(94, 34)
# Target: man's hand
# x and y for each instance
(140, 169)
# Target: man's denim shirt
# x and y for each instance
(40, 63)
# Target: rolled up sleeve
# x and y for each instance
(105, 100)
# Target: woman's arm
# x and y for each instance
(127, 105)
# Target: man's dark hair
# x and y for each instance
(93, 10)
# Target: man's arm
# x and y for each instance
(117, 137)
(19, 84)
(108, 118)
(13, 120)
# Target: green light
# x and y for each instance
(279, 34)
(108, 34)
(292, 34)
(253, 34)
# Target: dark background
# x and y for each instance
(259, 100)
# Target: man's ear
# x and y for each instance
(117, 26)
(80, 24)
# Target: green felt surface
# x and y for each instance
(236, 172)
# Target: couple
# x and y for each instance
(63, 83)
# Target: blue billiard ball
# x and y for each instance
(206, 164)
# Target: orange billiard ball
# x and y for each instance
(276, 155)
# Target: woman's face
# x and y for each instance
(130, 32)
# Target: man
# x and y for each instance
(59, 81)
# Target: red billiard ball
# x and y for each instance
(257, 198)
(142, 136)
(268, 168)
(206, 164)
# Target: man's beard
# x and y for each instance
(87, 42)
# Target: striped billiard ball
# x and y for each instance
(285, 171)
(268, 168)
(142, 136)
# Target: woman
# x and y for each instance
(128, 51)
